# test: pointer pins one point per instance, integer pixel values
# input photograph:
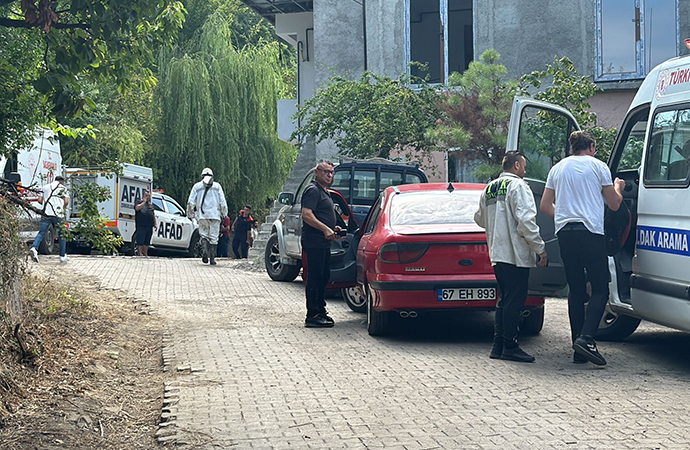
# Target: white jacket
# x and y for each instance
(508, 214)
(213, 207)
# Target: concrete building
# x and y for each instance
(617, 42)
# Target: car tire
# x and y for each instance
(277, 270)
(378, 323)
(194, 249)
(616, 327)
(355, 298)
(532, 324)
(130, 248)
(47, 245)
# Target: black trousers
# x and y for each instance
(512, 282)
(240, 248)
(585, 259)
(318, 273)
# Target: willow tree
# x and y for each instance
(219, 110)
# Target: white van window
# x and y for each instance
(631, 156)
(668, 156)
(543, 139)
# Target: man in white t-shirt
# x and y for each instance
(54, 198)
(577, 188)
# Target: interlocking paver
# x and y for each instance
(254, 377)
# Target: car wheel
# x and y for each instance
(532, 324)
(47, 245)
(355, 298)
(276, 269)
(194, 249)
(377, 322)
(616, 327)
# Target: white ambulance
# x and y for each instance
(650, 276)
(31, 168)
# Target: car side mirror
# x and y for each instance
(14, 177)
(286, 198)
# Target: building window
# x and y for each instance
(633, 36)
(440, 35)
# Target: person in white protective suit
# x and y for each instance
(207, 203)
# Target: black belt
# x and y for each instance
(574, 226)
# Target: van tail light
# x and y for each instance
(402, 252)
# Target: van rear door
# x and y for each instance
(540, 130)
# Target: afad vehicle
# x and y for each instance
(650, 276)
(175, 230)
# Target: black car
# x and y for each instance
(361, 181)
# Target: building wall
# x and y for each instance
(338, 49)
(529, 34)
(386, 37)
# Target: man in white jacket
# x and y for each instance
(508, 214)
(207, 203)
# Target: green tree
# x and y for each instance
(125, 127)
(219, 110)
(61, 44)
(371, 116)
(476, 111)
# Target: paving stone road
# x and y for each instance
(252, 377)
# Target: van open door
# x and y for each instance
(540, 130)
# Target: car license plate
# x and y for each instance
(471, 294)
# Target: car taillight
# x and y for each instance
(402, 252)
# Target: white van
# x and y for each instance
(650, 277)
(34, 166)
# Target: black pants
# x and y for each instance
(512, 282)
(585, 259)
(318, 274)
(240, 248)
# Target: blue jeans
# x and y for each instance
(59, 225)
(223, 247)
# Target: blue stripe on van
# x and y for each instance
(666, 240)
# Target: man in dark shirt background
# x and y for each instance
(318, 230)
(242, 227)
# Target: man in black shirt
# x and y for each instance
(242, 227)
(318, 230)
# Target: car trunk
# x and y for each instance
(458, 249)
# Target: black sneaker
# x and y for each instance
(318, 321)
(516, 354)
(327, 317)
(496, 351)
(579, 359)
(587, 348)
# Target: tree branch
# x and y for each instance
(11, 23)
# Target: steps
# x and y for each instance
(306, 160)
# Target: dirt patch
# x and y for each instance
(85, 373)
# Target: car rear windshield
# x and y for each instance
(434, 207)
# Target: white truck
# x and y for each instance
(175, 230)
(649, 276)
(31, 168)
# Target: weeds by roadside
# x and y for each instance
(86, 372)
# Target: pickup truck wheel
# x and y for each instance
(47, 245)
(355, 298)
(616, 327)
(277, 270)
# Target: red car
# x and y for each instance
(420, 250)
